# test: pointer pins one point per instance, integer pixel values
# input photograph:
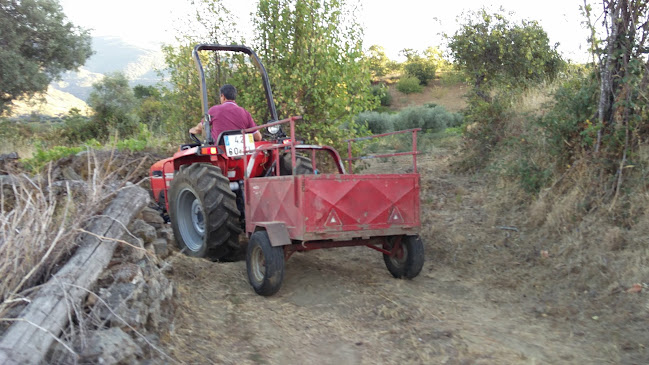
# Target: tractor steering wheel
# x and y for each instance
(193, 136)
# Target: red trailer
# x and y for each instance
(303, 212)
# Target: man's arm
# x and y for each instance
(257, 136)
(198, 129)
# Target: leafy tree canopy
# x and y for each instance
(114, 104)
(493, 50)
(378, 61)
(37, 44)
(313, 53)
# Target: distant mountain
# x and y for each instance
(57, 104)
(111, 55)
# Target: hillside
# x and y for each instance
(111, 55)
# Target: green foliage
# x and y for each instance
(77, 128)
(430, 119)
(38, 45)
(568, 122)
(182, 103)
(43, 156)
(530, 176)
(115, 107)
(376, 122)
(381, 92)
(378, 63)
(423, 68)
(145, 92)
(491, 50)
(409, 85)
(312, 50)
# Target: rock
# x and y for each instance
(134, 251)
(110, 346)
(160, 247)
(168, 234)
(152, 217)
(143, 230)
(144, 301)
(122, 305)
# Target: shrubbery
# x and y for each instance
(409, 85)
(428, 118)
(381, 91)
(433, 118)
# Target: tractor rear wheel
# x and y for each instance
(204, 214)
(265, 264)
(408, 261)
(303, 165)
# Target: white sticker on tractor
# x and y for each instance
(234, 144)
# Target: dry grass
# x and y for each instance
(40, 219)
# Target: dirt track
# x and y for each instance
(341, 306)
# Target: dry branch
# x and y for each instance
(28, 340)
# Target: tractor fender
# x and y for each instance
(277, 232)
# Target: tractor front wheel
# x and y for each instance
(265, 264)
(407, 260)
(204, 214)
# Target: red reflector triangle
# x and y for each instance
(395, 216)
(333, 219)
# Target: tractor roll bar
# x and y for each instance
(231, 48)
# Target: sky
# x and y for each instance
(395, 25)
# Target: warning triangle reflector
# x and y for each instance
(333, 219)
(395, 216)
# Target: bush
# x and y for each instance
(376, 122)
(409, 85)
(420, 68)
(381, 91)
(429, 119)
(76, 128)
(567, 123)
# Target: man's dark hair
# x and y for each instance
(229, 91)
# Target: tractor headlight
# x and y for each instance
(273, 129)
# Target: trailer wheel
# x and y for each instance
(204, 214)
(303, 165)
(408, 262)
(265, 264)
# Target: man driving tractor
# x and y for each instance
(227, 116)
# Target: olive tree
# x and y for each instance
(38, 44)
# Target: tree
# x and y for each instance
(423, 68)
(378, 62)
(37, 44)
(624, 79)
(114, 104)
(181, 102)
(312, 50)
(492, 50)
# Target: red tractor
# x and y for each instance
(273, 190)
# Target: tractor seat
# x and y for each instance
(221, 139)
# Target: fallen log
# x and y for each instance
(28, 340)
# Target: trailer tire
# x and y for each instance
(204, 214)
(264, 264)
(303, 165)
(412, 260)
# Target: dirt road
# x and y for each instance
(341, 306)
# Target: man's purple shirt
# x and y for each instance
(229, 116)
